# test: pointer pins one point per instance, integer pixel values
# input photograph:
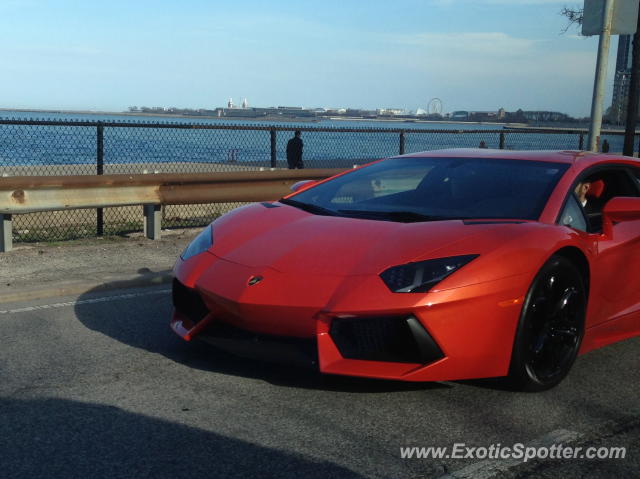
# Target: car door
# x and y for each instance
(614, 288)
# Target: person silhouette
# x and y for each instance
(294, 151)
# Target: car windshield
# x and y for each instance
(430, 189)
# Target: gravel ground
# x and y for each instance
(35, 270)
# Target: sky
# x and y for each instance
(471, 54)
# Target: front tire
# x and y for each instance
(551, 327)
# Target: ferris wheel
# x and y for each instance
(435, 106)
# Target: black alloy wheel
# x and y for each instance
(551, 327)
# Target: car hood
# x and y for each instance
(290, 240)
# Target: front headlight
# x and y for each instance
(200, 244)
(420, 277)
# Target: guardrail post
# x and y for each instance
(273, 147)
(152, 221)
(581, 142)
(402, 142)
(100, 171)
(6, 233)
(501, 141)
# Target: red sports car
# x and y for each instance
(441, 265)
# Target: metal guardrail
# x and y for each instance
(29, 194)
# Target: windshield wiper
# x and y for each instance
(311, 208)
(400, 216)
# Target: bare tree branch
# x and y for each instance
(574, 17)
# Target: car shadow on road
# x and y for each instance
(64, 438)
(140, 318)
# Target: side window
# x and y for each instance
(617, 183)
(593, 191)
(573, 216)
(636, 174)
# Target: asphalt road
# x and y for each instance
(98, 386)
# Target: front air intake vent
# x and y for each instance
(188, 302)
(391, 339)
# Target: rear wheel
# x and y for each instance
(551, 327)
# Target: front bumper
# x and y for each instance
(348, 325)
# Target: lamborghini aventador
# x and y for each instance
(441, 265)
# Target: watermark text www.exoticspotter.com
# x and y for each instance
(518, 451)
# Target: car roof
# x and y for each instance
(582, 159)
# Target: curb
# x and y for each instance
(153, 279)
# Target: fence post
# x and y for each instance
(6, 233)
(100, 171)
(402, 142)
(581, 142)
(273, 147)
(152, 221)
(501, 141)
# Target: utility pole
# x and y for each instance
(604, 18)
(632, 101)
(601, 72)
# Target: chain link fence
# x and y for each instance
(37, 147)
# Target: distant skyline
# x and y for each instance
(472, 54)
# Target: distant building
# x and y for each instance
(390, 111)
(356, 112)
(335, 111)
(280, 112)
(545, 116)
(621, 80)
(483, 115)
(460, 115)
(518, 116)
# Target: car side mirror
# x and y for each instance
(302, 184)
(619, 209)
